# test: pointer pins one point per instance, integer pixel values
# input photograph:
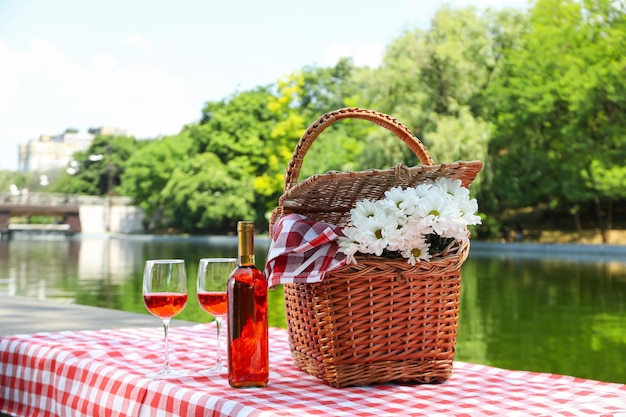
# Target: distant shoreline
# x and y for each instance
(566, 251)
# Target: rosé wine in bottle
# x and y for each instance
(248, 355)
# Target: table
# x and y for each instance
(101, 373)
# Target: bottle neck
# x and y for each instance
(246, 260)
(246, 246)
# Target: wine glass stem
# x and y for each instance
(166, 355)
(218, 350)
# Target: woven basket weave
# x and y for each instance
(381, 320)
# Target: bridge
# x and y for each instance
(39, 204)
(77, 214)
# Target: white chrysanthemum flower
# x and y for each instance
(349, 248)
(418, 252)
(406, 219)
(395, 238)
(401, 203)
(453, 187)
(376, 232)
(349, 244)
(423, 190)
(373, 234)
(468, 209)
(410, 203)
(363, 210)
(455, 231)
(409, 233)
(396, 195)
(416, 228)
(438, 212)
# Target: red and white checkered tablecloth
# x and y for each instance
(101, 373)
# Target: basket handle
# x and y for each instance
(295, 163)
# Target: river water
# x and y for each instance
(549, 311)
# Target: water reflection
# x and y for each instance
(550, 315)
(519, 309)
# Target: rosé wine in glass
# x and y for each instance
(213, 302)
(213, 274)
(165, 295)
(166, 305)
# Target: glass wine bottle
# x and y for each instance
(248, 356)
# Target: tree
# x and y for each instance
(436, 82)
(238, 131)
(301, 98)
(204, 194)
(19, 179)
(558, 116)
(99, 169)
(283, 136)
(150, 168)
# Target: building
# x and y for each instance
(108, 131)
(54, 152)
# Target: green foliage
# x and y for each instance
(205, 193)
(609, 181)
(236, 129)
(300, 99)
(99, 169)
(150, 168)
(44, 219)
(558, 130)
(283, 136)
(239, 132)
(459, 137)
(337, 148)
(325, 89)
(436, 83)
(320, 91)
(19, 179)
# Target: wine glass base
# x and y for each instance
(214, 370)
(167, 373)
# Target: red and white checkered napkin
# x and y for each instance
(302, 251)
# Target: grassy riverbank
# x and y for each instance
(542, 226)
(587, 236)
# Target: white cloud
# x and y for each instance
(144, 99)
(365, 54)
(334, 52)
(137, 41)
(9, 80)
(141, 98)
(481, 4)
(369, 55)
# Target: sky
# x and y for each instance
(149, 66)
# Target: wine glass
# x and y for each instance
(165, 295)
(211, 285)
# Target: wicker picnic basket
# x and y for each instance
(381, 320)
